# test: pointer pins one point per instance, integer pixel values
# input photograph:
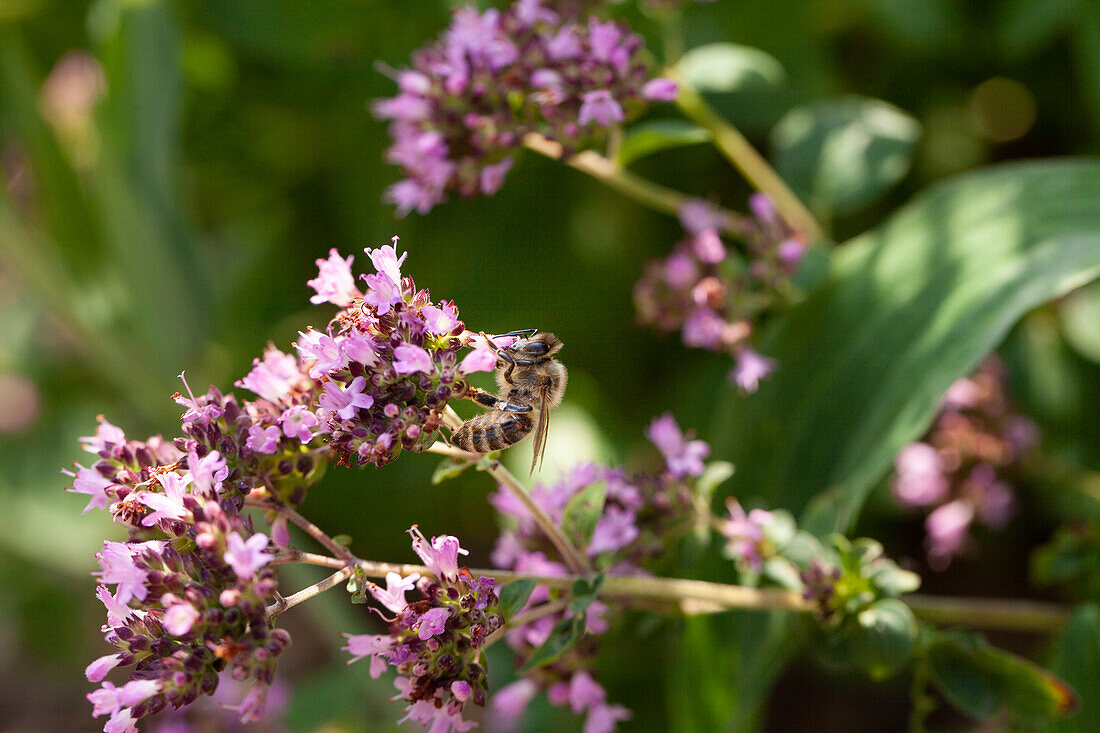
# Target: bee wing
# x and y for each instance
(540, 429)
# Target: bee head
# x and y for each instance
(541, 344)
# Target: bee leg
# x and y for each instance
(485, 399)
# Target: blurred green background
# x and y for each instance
(172, 170)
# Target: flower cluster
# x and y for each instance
(464, 108)
(190, 584)
(961, 465)
(434, 643)
(711, 295)
(388, 363)
(636, 516)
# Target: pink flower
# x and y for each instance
(433, 622)
(105, 434)
(440, 555)
(661, 90)
(745, 533)
(410, 358)
(599, 107)
(603, 718)
(91, 482)
(440, 321)
(512, 700)
(263, 440)
(383, 293)
(481, 359)
(207, 472)
(684, 457)
(374, 646)
(98, 669)
(334, 283)
(704, 328)
(273, 377)
(750, 369)
(492, 176)
(393, 597)
(297, 422)
(322, 350)
(697, 215)
(614, 530)
(117, 563)
(947, 526)
(386, 262)
(179, 618)
(708, 247)
(346, 401)
(585, 692)
(247, 556)
(168, 505)
(918, 479)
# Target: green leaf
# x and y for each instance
(1080, 316)
(584, 592)
(514, 595)
(842, 154)
(448, 468)
(727, 67)
(904, 312)
(883, 637)
(582, 512)
(565, 634)
(980, 680)
(1077, 661)
(656, 135)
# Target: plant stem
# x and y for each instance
(698, 596)
(310, 528)
(752, 165)
(573, 558)
(994, 614)
(306, 593)
(634, 187)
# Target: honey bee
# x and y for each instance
(531, 383)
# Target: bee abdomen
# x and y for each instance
(493, 431)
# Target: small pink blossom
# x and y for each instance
(409, 358)
(947, 527)
(440, 555)
(273, 377)
(383, 294)
(247, 556)
(585, 692)
(117, 563)
(377, 647)
(91, 482)
(207, 472)
(481, 359)
(386, 261)
(616, 529)
(599, 107)
(661, 90)
(346, 400)
(105, 434)
(97, 670)
(334, 283)
(179, 618)
(707, 246)
(297, 422)
(432, 623)
(321, 349)
(684, 457)
(168, 505)
(512, 700)
(751, 367)
(492, 176)
(393, 597)
(263, 439)
(604, 718)
(440, 321)
(918, 479)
